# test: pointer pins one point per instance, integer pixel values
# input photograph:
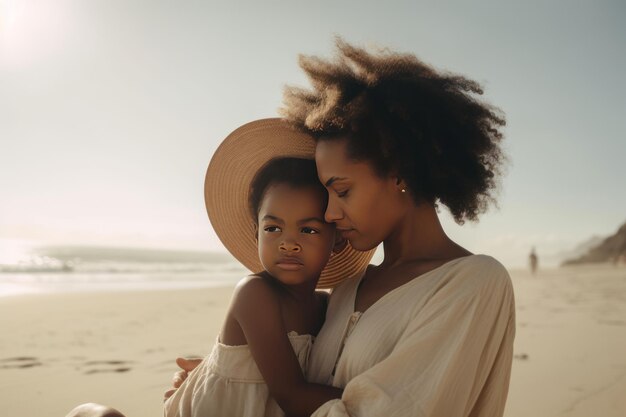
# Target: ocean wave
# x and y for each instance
(68, 259)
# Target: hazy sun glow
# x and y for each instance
(13, 251)
(31, 31)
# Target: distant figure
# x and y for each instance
(533, 260)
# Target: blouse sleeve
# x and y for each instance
(454, 359)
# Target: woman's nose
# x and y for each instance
(332, 213)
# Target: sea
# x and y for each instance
(27, 268)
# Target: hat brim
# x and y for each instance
(227, 186)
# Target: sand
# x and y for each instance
(118, 348)
(570, 347)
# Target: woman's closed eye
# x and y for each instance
(342, 193)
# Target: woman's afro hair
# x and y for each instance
(404, 117)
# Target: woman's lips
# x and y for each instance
(345, 232)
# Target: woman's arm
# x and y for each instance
(257, 310)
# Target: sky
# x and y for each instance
(111, 110)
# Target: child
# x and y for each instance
(267, 206)
(255, 367)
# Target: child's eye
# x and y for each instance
(272, 229)
(309, 230)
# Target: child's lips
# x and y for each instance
(289, 264)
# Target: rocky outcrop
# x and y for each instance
(610, 249)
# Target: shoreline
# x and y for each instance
(8, 290)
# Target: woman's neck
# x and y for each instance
(419, 236)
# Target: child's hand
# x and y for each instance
(187, 365)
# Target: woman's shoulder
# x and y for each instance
(484, 263)
(483, 272)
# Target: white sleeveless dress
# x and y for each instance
(228, 383)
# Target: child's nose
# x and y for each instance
(289, 246)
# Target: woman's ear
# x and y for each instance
(400, 184)
(340, 243)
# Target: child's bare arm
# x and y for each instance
(257, 310)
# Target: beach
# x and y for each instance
(118, 347)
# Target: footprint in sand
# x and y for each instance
(95, 367)
(19, 362)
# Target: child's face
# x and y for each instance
(294, 240)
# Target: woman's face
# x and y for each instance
(365, 207)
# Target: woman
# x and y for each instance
(428, 332)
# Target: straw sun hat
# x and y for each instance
(227, 185)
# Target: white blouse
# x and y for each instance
(440, 345)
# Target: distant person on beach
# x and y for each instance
(429, 331)
(533, 261)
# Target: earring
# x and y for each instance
(403, 190)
